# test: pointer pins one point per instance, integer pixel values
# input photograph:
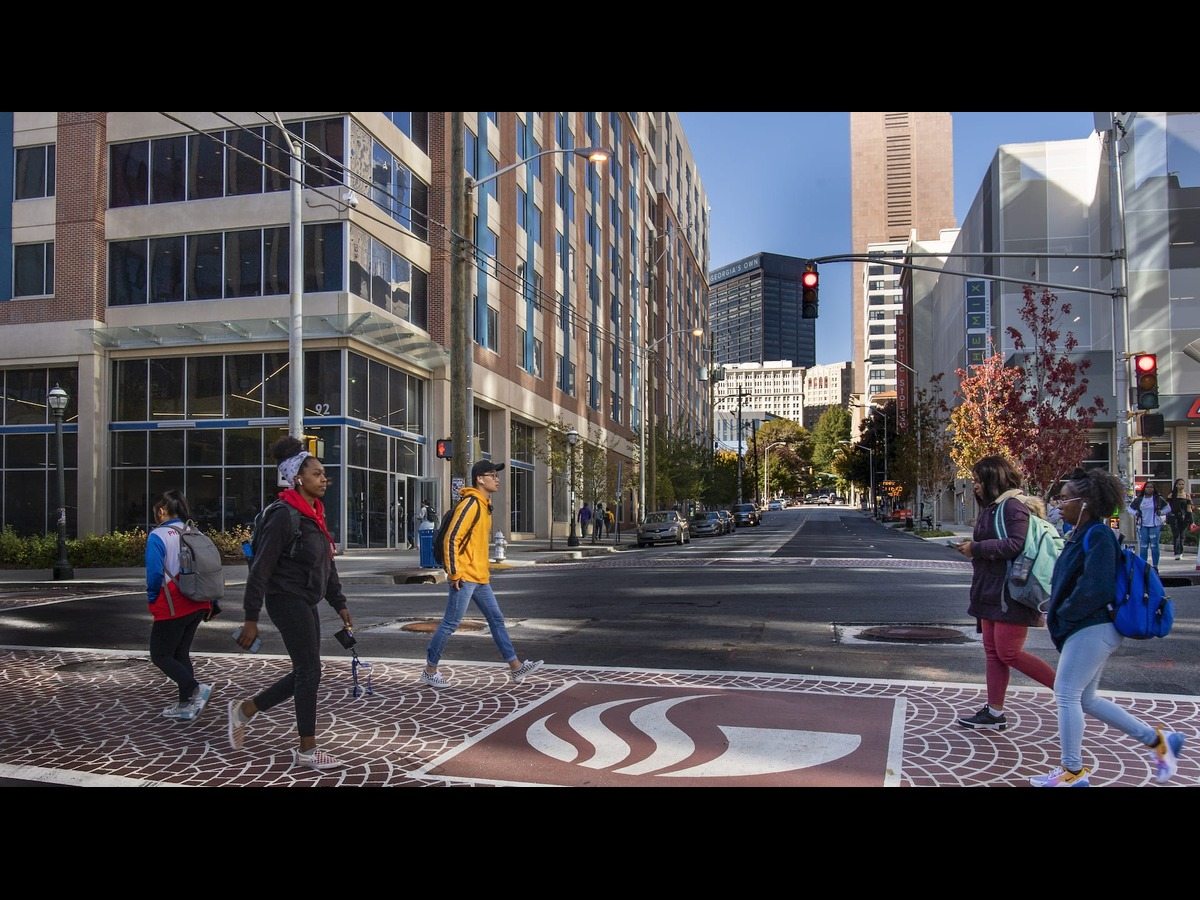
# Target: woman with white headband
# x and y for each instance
(292, 572)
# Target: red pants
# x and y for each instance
(1003, 644)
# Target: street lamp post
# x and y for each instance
(461, 314)
(572, 440)
(296, 287)
(913, 372)
(871, 464)
(57, 401)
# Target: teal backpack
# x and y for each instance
(1030, 572)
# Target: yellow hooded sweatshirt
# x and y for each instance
(466, 547)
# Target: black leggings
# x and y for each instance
(170, 649)
(1178, 530)
(300, 627)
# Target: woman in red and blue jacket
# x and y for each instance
(176, 617)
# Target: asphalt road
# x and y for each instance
(792, 596)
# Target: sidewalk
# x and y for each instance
(354, 566)
(1182, 572)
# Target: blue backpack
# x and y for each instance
(1140, 608)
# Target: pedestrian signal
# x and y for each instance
(444, 448)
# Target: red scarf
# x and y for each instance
(316, 512)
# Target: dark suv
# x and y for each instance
(745, 513)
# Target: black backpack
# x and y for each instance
(250, 546)
(439, 539)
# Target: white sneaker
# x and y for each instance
(316, 759)
(518, 674)
(199, 699)
(178, 711)
(434, 679)
(235, 728)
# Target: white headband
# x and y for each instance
(290, 468)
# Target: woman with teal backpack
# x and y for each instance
(1080, 625)
(1003, 623)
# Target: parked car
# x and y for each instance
(775, 504)
(745, 514)
(708, 523)
(664, 525)
(727, 518)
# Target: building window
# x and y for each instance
(522, 208)
(493, 329)
(256, 160)
(413, 124)
(400, 193)
(33, 270)
(221, 264)
(33, 172)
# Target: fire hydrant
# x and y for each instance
(500, 544)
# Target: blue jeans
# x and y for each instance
(1148, 537)
(1079, 670)
(456, 606)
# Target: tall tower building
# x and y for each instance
(901, 181)
(755, 311)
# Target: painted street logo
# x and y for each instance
(610, 735)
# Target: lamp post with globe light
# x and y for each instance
(572, 440)
(57, 401)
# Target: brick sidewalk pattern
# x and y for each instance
(95, 715)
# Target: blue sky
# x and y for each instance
(780, 182)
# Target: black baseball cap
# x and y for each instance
(484, 467)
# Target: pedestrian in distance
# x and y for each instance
(1081, 627)
(597, 522)
(610, 521)
(1180, 501)
(291, 574)
(175, 616)
(1003, 623)
(468, 571)
(585, 519)
(1149, 510)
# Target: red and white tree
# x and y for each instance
(1051, 409)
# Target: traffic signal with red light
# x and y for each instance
(444, 450)
(1145, 375)
(810, 283)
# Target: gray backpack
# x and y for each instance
(201, 575)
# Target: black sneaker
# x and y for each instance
(985, 719)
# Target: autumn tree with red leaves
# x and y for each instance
(1033, 412)
(982, 422)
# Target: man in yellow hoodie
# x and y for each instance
(468, 570)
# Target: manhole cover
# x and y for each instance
(429, 626)
(99, 665)
(913, 634)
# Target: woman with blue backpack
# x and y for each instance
(1081, 627)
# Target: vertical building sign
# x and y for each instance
(978, 320)
(902, 355)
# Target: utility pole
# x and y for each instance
(754, 455)
(739, 445)
(461, 351)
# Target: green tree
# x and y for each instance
(833, 426)
(786, 463)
